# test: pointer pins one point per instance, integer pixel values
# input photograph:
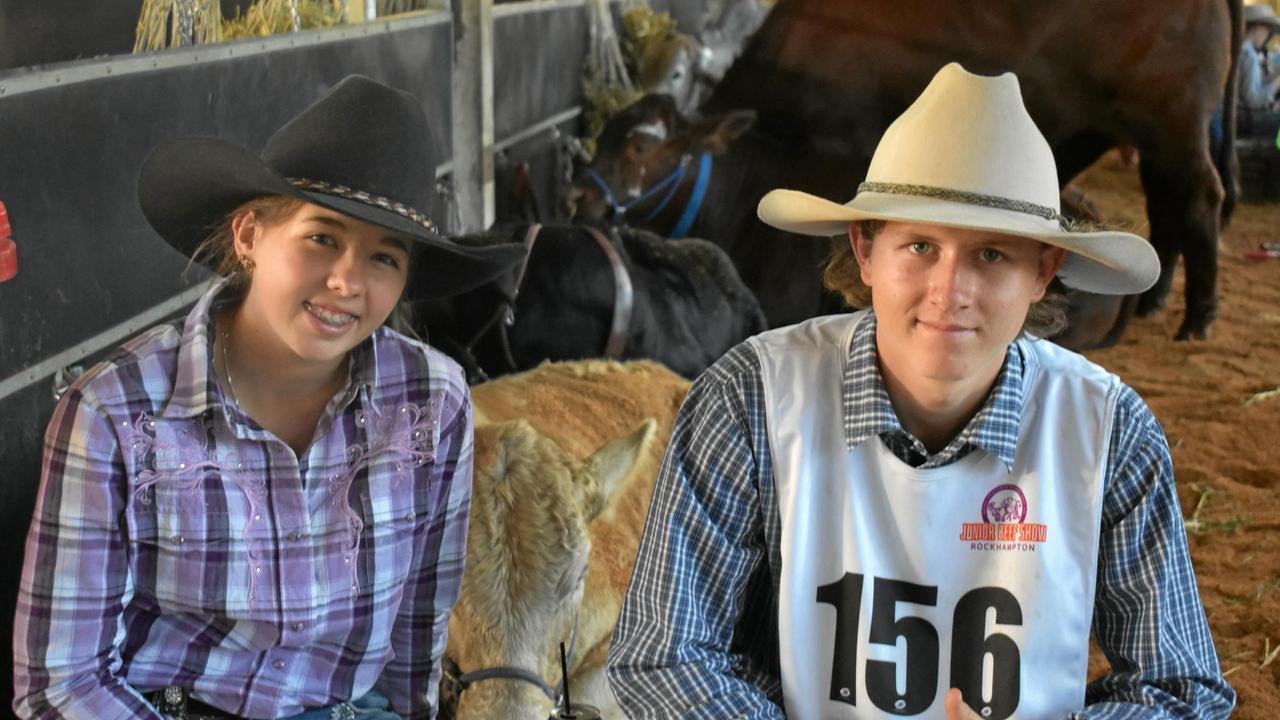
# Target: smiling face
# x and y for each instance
(949, 301)
(322, 283)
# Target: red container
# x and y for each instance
(8, 249)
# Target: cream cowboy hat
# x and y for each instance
(966, 154)
(1261, 14)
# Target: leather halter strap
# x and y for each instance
(623, 297)
(623, 302)
(459, 681)
(506, 309)
(455, 681)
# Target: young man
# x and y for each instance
(1258, 85)
(919, 509)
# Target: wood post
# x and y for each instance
(472, 117)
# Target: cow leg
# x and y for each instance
(1184, 198)
(1075, 154)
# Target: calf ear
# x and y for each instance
(722, 130)
(614, 463)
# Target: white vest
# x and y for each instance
(899, 583)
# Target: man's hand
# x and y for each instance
(956, 709)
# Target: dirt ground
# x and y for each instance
(1219, 402)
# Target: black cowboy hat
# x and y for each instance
(364, 150)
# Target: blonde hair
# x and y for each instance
(1045, 318)
(218, 251)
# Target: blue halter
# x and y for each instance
(670, 183)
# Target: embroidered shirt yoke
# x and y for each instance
(176, 542)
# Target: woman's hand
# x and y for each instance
(956, 709)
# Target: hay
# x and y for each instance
(1262, 396)
(177, 23)
(397, 7)
(273, 17)
(1268, 654)
(651, 44)
(602, 102)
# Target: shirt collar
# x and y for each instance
(195, 389)
(869, 413)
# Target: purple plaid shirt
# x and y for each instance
(176, 542)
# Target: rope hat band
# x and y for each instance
(969, 198)
(367, 198)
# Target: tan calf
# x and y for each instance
(565, 459)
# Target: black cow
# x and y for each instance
(688, 305)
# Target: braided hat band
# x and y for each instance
(364, 197)
(969, 198)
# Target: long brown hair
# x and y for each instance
(1045, 318)
(218, 250)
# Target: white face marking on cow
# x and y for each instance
(651, 135)
(655, 130)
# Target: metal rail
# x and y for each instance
(25, 80)
(28, 80)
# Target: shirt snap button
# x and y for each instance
(277, 664)
(409, 516)
(297, 627)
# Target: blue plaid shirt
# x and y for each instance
(697, 637)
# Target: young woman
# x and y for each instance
(261, 511)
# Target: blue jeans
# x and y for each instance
(373, 706)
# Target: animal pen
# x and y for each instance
(505, 81)
(92, 273)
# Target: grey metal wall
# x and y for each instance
(72, 137)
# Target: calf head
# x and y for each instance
(527, 559)
(668, 66)
(638, 149)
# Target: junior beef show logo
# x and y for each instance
(1004, 523)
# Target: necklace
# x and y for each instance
(225, 335)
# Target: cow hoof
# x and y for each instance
(1148, 306)
(1189, 332)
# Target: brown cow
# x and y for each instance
(826, 77)
(565, 460)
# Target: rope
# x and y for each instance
(968, 198)
(604, 60)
